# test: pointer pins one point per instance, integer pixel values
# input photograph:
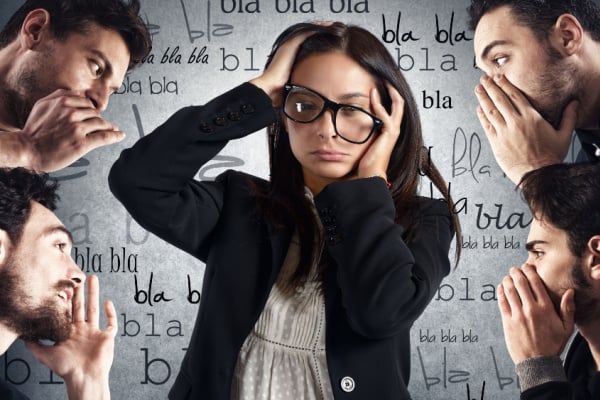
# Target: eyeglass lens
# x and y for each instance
(351, 123)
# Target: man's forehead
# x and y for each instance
(496, 25)
(542, 230)
(103, 39)
(41, 219)
(497, 17)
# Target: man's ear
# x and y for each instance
(567, 35)
(5, 246)
(36, 26)
(593, 250)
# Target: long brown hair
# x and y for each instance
(285, 201)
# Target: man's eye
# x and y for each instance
(61, 246)
(97, 69)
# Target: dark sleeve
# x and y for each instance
(154, 178)
(9, 392)
(541, 369)
(545, 377)
(555, 390)
(386, 283)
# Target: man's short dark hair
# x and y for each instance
(18, 187)
(568, 197)
(541, 15)
(74, 16)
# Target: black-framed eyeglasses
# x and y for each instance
(351, 123)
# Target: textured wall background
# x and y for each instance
(202, 48)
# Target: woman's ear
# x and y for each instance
(593, 249)
(35, 28)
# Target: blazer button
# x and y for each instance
(220, 121)
(204, 127)
(347, 384)
(247, 108)
(234, 116)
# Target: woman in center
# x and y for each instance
(314, 277)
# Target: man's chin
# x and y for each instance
(553, 118)
(54, 328)
(551, 113)
(56, 336)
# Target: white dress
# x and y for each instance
(284, 357)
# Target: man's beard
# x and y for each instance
(33, 323)
(555, 88)
(587, 304)
(21, 98)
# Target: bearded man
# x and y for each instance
(558, 286)
(41, 291)
(541, 64)
(60, 60)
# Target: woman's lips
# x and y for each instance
(328, 155)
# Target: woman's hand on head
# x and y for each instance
(376, 158)
(279, 70)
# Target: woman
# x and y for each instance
(313, 279)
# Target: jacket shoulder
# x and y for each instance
(429, 206)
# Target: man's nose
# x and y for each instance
(75, 273)
(99, 94)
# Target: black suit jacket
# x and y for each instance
(377, 286)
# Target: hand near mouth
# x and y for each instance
(85, 358)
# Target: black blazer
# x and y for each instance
(376, 288)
